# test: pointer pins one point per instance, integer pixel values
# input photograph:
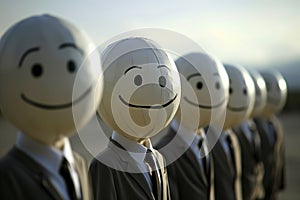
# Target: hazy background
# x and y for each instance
(254, 33)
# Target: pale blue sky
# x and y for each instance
(253, 32)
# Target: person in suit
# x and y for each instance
(142, 93)
(40, 58)
(271, 134)
(251, 150)
(227, 151)
(185, 146)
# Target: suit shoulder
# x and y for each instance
(106, 159)
(11, 174)
(8, 165)
(103, 179)
(97, 167)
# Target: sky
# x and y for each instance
(248, 32)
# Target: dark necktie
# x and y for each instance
(231, 149)
(205, 158)
(153, 172)
(64, 171)
(271, 132)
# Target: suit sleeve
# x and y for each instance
(103, 183)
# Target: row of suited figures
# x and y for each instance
(218, 134)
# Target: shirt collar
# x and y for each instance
(48, 157)
(67, 152)
(136, 150)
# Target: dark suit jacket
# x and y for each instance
(113, 177)
(272, 157)
(224, 174)
(186, 178)
(23, 178)
(251, 162)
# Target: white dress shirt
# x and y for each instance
(50, 159)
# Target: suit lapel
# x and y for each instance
(195, 164)
(37, 172)
(223, 155)
(139, 178)
(51, 189)
(129, 165)
(243, 139)
(188, 155)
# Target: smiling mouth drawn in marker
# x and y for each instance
(147, 106)
(203, 106)
(237, 109)
(57, 106)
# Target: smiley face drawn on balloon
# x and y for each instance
(138, 82)
(200, 85)
(276, 92)
(209, 95)
(37, 72)
(42, 57)
(234, 90)
(241, 95)
(142, 87)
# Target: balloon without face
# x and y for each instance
(40, 57)
(241, 96)
(141, 87)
